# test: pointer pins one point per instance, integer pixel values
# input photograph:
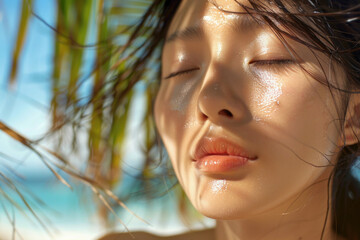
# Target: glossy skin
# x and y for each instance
(207, 234)
(243, 85)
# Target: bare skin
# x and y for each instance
(208, 234)
(240, 83)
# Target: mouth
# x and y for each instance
(218, 155)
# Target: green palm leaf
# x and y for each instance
(21, 37)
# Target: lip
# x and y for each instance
(218, 155)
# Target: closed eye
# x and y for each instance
(258, 63)
(272, 62)
(275, 65)
(175, 74)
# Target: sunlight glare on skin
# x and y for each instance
(219, 186)
(219, 50)
(225, 18)
(267, 96)
(181, 100)
(181, 57)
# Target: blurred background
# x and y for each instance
(65, 145)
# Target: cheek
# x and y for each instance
(266, 94)
(173, 115)
(311, 112)
(172, 106)
(301, 119)
(180, 97)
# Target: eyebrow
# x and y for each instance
(244, 24)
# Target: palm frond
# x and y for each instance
(101, 29)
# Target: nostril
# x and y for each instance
(226, 113)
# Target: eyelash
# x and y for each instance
(262, 63)
(275, 65)
(175, 74)
(273, 62)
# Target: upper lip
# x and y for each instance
(220, 146)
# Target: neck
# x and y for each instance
(302, 217)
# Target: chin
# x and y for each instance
(223, 213)
(224, 209)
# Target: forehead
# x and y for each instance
(217, 13)
(193, 17)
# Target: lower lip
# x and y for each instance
(220, 163)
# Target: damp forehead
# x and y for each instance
(194, 15)
(204, 12)
(192, 12)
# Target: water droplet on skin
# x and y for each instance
(189, 124)
(268, 85)
(181, 57)
(218, 186)
(270, 89)
(258, 119)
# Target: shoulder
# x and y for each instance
(128, 235)
(207, 234)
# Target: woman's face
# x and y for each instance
(243, 124)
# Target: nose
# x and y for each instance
(220, 99)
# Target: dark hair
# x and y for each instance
(330, 27)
